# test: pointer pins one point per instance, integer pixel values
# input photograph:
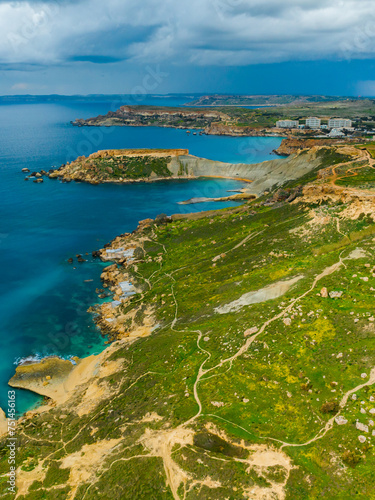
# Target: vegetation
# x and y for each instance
(205, 397)
(130, 167)
(229, 115)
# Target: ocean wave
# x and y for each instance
(36, 358)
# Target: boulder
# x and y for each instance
(250, 331)
(335, 295)
(361, 427)
(340, 420)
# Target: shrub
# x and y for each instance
(330, 407)
(351, 458)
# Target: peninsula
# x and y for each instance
(151, 165)
(241, 121)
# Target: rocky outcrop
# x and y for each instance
(3, 423)
(292, 145)
(238, 130)
(359, 202)
(45, 377)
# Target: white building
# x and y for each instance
(287, 124)
(340, 123)
(313, 122)
(335, 132)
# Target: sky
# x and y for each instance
(208, 46)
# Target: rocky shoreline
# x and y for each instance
(129, 166)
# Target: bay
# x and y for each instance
(43, 299)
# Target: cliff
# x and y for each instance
(143, 116)
(292, 144)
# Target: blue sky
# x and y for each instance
(226, 46)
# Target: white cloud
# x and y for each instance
(20, 86)
(200, 32)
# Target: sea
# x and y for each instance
(43, 298)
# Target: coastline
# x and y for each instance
(122, 167)
(58, 379)
(110, 318)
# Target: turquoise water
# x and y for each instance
(43, 299)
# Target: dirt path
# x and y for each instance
(328, 426)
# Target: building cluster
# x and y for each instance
(335, 125)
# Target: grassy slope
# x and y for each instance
(275, 390)
(130, 167)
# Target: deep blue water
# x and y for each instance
(43, 299)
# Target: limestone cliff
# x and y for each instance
(143, 116)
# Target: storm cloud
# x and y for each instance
(187, 33)
(198, 32)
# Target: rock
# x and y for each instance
(363, 375)
(361, 439)
(372, 411)
(250, 331)
(340, 420)
(335, 295)
(3, 423)
(25, 170)
(38, 181)
(361, 427)
(324, 292)
(287, 321)
(70, 260)
(354, 397)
